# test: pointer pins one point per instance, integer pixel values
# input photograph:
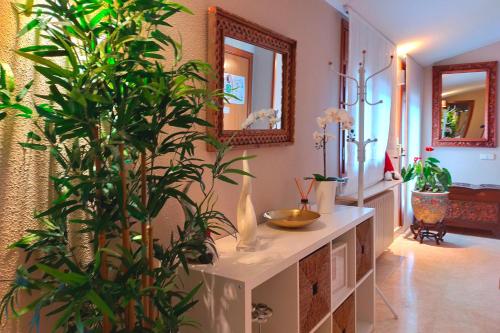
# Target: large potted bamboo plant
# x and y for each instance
(123, 129)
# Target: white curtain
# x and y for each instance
(413, 124)
(363, 36)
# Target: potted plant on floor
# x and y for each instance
(123, 124)
(325, 185)
(430, 197)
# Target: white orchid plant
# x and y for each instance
(269, 114)
(321, 137)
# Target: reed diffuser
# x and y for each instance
(304, 195)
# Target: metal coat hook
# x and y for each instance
(361, 98)
(359, 95)
(348, 77)
(372, 76)
(361, 143)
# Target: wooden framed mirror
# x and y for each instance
(464, 105)
(257, 67)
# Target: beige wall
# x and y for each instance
(464, 163)
(23, 174)
(315, 26)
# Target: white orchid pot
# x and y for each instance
(325, 196)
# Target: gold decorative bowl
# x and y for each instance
(291, 218)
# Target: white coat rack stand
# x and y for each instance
(361, 143)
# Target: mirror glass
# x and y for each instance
(463, 105)
(253, 76)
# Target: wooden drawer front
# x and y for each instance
(344, 318)
(364, 249)
(315, 286)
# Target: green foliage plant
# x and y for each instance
(123, 128)
(430, 177)
(8, 99)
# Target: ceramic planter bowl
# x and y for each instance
(429, 207)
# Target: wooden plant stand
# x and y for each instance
(423, 230)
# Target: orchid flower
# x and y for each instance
(269, 114)
(331, 115)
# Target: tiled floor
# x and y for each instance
(451, 288)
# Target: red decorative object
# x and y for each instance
(490, 139)
(388, 164)
(429, 148)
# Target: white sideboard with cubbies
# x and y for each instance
(291, 272)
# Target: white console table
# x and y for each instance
(281, 274)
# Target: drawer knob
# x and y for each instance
(315, 288)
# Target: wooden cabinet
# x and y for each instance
(344, 318)
(474, 208)
(364, 249)
(315, 288)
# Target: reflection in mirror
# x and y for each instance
(463, 105)
(256, 67)
(253, 76)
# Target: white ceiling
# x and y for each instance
(439, 29)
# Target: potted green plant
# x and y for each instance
(325, 185)
(123, 123)
(430, 197)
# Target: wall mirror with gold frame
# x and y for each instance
(256, 67)
(464, 105)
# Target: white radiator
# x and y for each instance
(384, 205)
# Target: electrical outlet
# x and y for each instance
(487, 156)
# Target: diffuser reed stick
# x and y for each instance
(304, 196)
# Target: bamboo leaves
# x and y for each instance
(54, 68)
(28, 27)
(100, 304)
(98, 18)
(7, 98)
(124, 131)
